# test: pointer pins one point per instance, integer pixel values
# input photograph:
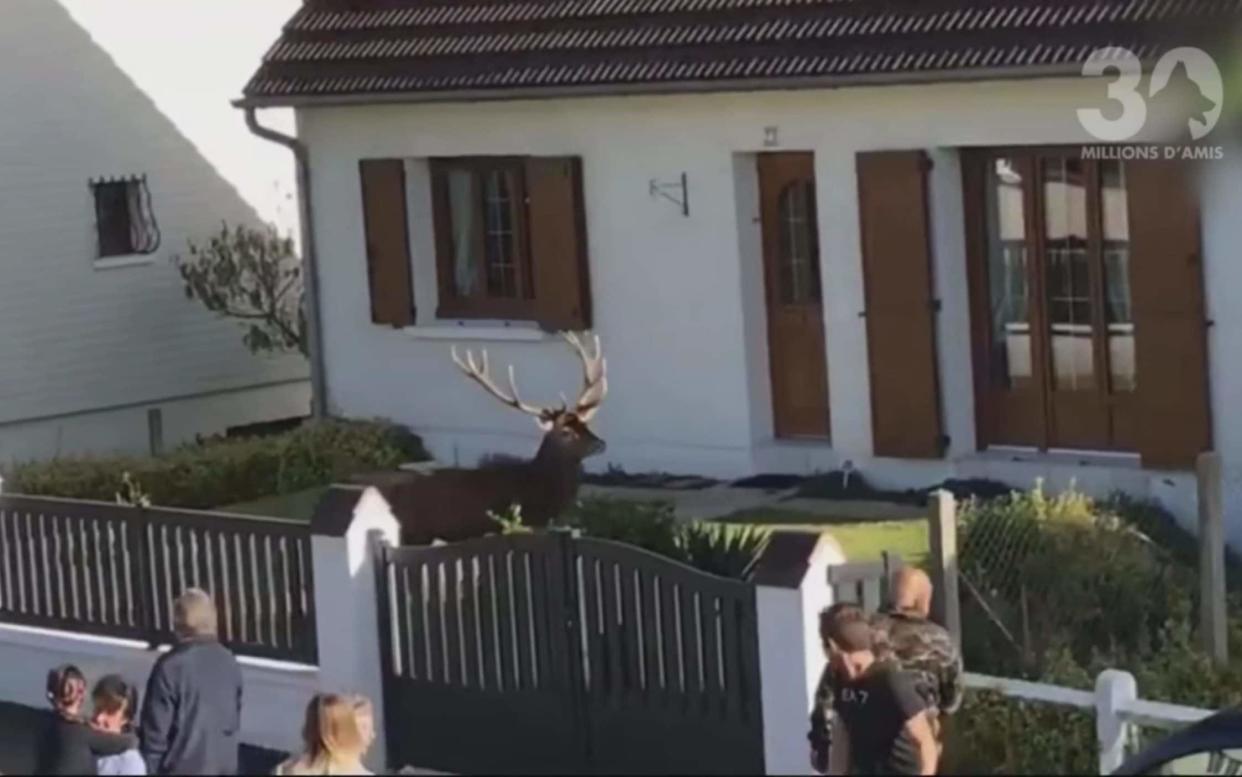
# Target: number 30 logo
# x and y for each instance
(1207, 91)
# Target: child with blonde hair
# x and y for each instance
(333, 740)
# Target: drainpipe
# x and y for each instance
(310, 262)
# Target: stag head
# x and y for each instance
(567, 432)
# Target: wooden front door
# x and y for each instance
(794, 295)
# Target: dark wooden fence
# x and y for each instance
(115, 570)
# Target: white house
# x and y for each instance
(807, 231)
(117, 145)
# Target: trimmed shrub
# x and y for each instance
(1109, 585)
(727, 551)
(993, 734)
(221, 471)
(1059, 572)
(1155, 522)
(648, 525)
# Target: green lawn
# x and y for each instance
(298, 506)
(860, 541)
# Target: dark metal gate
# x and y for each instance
(552, 653)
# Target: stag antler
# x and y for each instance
(594, 377)
(479, 374)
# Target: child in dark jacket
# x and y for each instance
(68, 744)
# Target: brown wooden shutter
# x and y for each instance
(388, 241)
(901, 346)
(557, 228)
(1166, 280)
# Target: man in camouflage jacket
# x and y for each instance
(905, 635)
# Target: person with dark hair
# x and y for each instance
(116, 701)
(68, 745)
(191, 720)
(824, 722)
(885, 721)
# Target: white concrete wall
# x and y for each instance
(126, 87)
(127, 428)
(676, 299)
(273, 694)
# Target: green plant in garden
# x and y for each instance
(510, 520)
(1061, 572)
(649, 525)
(1107, 584)
(721, 549)
(131, 493)
(251, 275)
(222, 471)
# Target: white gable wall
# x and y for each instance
(128, 87)
(678, 300)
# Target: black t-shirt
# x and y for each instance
(875, 707)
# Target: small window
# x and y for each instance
(799, 244)
(482, 227)
(125, 224)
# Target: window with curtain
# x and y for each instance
(482, 227)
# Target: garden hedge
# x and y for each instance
(223, 471)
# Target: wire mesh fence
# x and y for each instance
(1042, 575)
(995, 548)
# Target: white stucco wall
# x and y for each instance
(678, 301)
(127, 87)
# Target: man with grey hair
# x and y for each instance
(191, 718)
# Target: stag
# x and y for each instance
(454, 504)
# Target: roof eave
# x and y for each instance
(666, 88)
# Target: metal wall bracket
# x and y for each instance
(676, 192)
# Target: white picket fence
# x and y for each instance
(1118, 709)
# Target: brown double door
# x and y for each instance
(1088, 303)
(794, 295)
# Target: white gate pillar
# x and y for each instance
(346, 524)
(792, 588)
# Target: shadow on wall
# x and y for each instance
(76, 339)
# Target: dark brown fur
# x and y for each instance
(453, 504)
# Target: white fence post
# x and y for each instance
(1114, 692)
(792, 588)
(943, 536)
(346, 611)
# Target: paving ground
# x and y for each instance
(20, 726)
